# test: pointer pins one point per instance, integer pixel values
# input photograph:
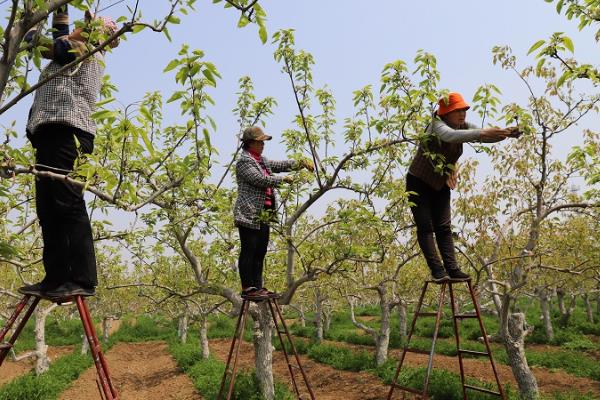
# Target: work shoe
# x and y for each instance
(269, 294)
(457, 275)
(253, 293)
(70, 289)
(37, 289)
(438, 274)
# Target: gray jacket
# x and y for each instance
(252, 184)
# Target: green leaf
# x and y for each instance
(568, 44)
(172, 65)
(206, 137)
(105, 101)
(243, 21)
(536, 46)
(262, 33)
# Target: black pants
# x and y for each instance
(431, 212)
(254, 243)
(68, 244)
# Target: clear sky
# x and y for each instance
(351, 41)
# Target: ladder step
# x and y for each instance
(463, 316)
(474, 353)
(5, 346)
(418, 351)
(427, 314)
(484, 390)
(407, 389)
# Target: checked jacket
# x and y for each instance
(252, 184)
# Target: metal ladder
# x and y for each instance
(456, 318)
(234, 350)
(105, 386)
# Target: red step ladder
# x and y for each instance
(237, 339)
(456, 319)
(105, 386)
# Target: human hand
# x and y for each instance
(452, 179)
(515, 132)
(493, 135)
(288, 179)
(307, 164)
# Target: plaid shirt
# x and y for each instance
(70, 98)
(252, 183)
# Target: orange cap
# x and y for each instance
(455, 102)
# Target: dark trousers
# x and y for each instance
(431, 212)
(254, 243)
(68, 244)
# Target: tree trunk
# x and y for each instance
(41, 349)
(319, 315)
(183, 327)
(514, 341)
(326, 320)
(205, 350)
(85, 345)
(382, 342)
(544, 297)
(302, 316)
(568, 311)
(263, 349)
(560, 295)
(106, 325)
(588, 308)
(402, 317)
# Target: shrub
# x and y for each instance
(145, 329)
(341, 358)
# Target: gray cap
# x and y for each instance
(254, 133)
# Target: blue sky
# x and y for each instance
(351, 41)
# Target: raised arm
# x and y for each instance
(247, 170)
(281, 166)
(471, 134)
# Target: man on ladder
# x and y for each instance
(61, 129)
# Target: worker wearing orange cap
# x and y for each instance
(431, 176)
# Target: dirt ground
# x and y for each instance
(327, 383)
(11, 370)
(140, 371)
(548, 381)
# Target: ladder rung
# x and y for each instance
(461, 316)
(407, 389)
(5, 346)
(479, 389)
(294, 366)
(474, 353)
(418, 351)
(282, 332)
(427, 314)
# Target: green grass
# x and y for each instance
(145, 328)
(207, 374)
(49, 385)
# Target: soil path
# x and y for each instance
(11, 370)
(548, 381)
(140, 371)
(327, 383)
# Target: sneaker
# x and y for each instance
(457, 275)
(439, 274)
(70, 289)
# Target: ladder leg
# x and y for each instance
(435, 335)
(273, 302)
(20, 306)
(485, 339)
(234, 350)
(457, 336)
(410, 333)
(101, 366)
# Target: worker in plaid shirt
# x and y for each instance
(60, 129)
(256, 206)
